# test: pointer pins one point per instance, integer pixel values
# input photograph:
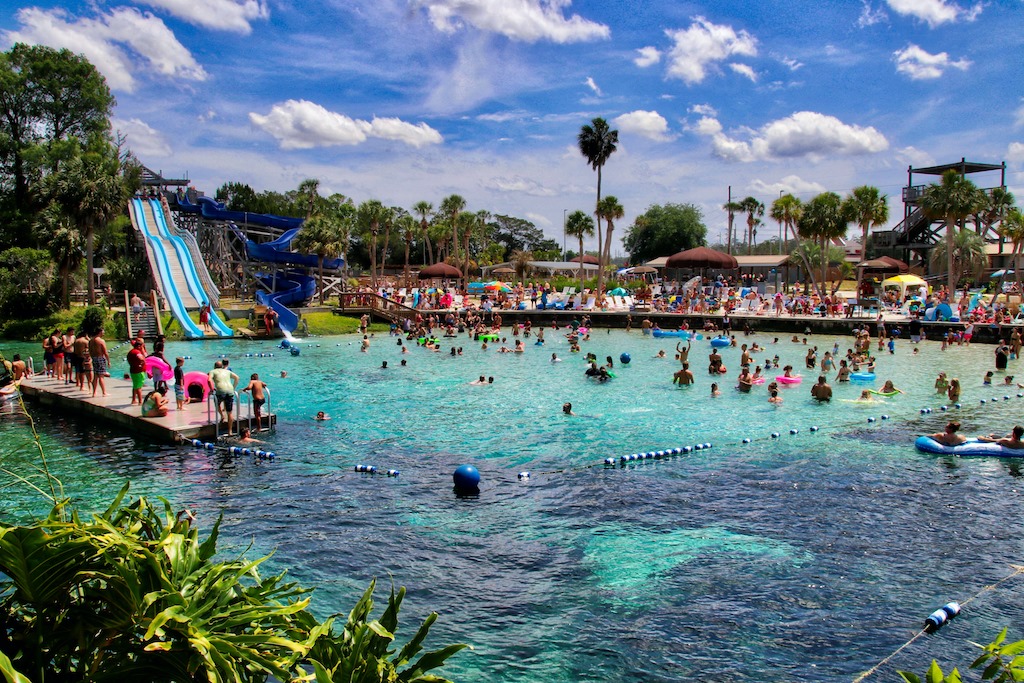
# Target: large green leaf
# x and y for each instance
(7, 669)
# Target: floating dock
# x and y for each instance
(194, 421)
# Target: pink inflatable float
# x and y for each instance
(197, 386)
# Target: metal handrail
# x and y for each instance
(246, 398)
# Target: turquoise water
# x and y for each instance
(807, 557)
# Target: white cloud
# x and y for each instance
(141, 138)
(699, 47)
(648, 124)
(793, 184)
(519, 184)
(870, 16)
(791, 63)
(300, 124)
(934, 12)
(744, 70)
(703, 110)
(593, 86)
(914, 62)
(102, 41)
(915, 157)
(1015, 152)
(803, 134)
(647, 56)
(525, 20)
(222, 15)
(1018, 120)
(470, 81)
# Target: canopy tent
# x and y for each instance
(547, 267)
(439, 270)
(903, 283)
(884, 264)
(587, 258)
(701, 257)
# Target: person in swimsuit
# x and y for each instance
(1012, 440)
(224, 382)
(257, 387)
(100, 362)
(155, 403)
(69, 345)
(950, 437)
(85, 361)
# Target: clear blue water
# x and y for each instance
(803, 558)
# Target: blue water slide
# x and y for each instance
(208, 207)
(163, 269)
(188, 267)
(291, 288)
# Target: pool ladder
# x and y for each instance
(213, 415)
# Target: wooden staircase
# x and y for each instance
(149, 320)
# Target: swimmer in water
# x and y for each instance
(321, 416)
(714, 389)
(567, 409)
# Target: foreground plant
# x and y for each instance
(1000, 663)
(134, 594)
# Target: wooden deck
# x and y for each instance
(191, 422)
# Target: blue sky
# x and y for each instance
(406, 100)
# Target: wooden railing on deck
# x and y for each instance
(360, 302)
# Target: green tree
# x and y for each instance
(515, 234)
(425, 210)
(321, 234)
(969, 259)
(952, 200)
(580, 225)
(663, 230)
(597, 142)
(754, 210)
(309, 196)
(867, 207)
(786, 210)
(1012, 228)
(731, 209)
(65, 245)
(409, 228)
(370, 215)
(610, 210)
(451, 207)
(822, 220)
(47, 97)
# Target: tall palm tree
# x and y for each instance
(467, 225)
(786, 210)
(610, 210)
(731, 208)
(479, 228)
(969, 258)
(425, 210)
(998, 202)
(521, 262)
(754, 210)
(579, 225)
(308, 195)
(64, 243)
(370, 215)
(321, 234)
(408, 228)
(952, 200)
(597, 141)
(1012, 228)
(823, 220)
(391, 217)
(867, 207)
(451, 207)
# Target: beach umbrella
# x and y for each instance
(619, 291)
(643, 269)
(504, 270)
(1000, 273)
(587, 258)
(439, 270)
(497, 286)
(702, 257)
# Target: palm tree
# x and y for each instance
(481, 217)
(952, 200)
(1012, 228)
(409, 228)
(610, 210)
(370, 215)
(731, 208)
(451, 207)
(998, 201)
(64, 243)
(968, 258)
(597, 142)
(867, 207)
(579, 225)
(308, 195)
(321, 234)
(786, 210)
(824, 220)
(467, 223)
(425, 210)
(521, 262)
(754, 210)
(389, 222)
(92, 188)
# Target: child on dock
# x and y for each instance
(179, 383)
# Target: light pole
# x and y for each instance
(565, 212)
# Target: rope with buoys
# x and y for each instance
(939, 618)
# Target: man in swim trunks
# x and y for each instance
(257, 387)
(100, 362)
(683, 376)
(950, 437)
(137, 370)
(1012, 440)
(224, 382)
(683, 354)
(83, 361)
(821, 391)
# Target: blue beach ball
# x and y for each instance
(466, 477)
(625, 358)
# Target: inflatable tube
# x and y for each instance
(887, 394)
(862, 376)
(488, 337)
(682, 334)
(757, 380)
(197, 385)
(970, 449)
(721, 342)
(782, 379)
(582, 330)
(158, 363)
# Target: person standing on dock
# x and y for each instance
(224, 382)
(83, 360)
(100, 362)
(137, 370)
